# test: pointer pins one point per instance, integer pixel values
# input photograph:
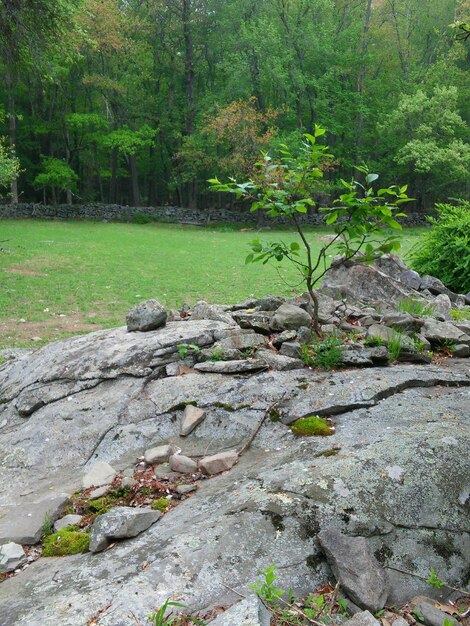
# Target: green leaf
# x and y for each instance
(371, 177)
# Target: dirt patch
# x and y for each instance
(13, 332)
(24, 271)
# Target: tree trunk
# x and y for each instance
(112, 182)
(134, 180)
(362, 79)
(12, 136)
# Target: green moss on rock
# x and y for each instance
(312, 426)
(67, 541)
(160, 504)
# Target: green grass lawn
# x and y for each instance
(63, 278)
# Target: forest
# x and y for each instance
(140, 102)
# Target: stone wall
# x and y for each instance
(170, 214)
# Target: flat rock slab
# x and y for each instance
(358, 572)
(24, 523)
(247, 612)
(230, 367)
(121, 522)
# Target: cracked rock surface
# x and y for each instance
(396, 472)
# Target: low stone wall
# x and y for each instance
(169, 214)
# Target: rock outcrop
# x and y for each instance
(394, 475)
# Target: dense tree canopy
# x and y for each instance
(142, 101)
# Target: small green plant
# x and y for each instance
(217, 354)
(66, 541)
(415, 307)
(186, 349)
(448, 344)
(395, 344)
(158, 618)
(2, 360)
(160, 504)
(48, 526)
(266, 586)
(434, 580)
(344, 607)
(324, 354)
(312, 426)
(374, 342)
(460, 314)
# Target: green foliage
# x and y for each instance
(9, 166)
(266, 586)
(460, 314)
(445, 248)
(373, 342)
(56, 173)
(160, 504)
(395, 344)
(323, 354)
(66, 541)
(312, 426)
(48, 526)
(159, 617)
(141, 218)
(431, 137)
(284, 187)
(185, 349)
(434, 580)
(415, 307)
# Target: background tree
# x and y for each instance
(78, 71)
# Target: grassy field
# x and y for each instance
(64, 278)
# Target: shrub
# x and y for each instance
(67, 541)
(312, 426)
(445, 249)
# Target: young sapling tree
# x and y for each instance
(284, 186)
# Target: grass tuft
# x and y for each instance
(415, 307)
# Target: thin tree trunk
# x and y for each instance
(12, 136)
(112, 182)
(362, 79)
(134, 180)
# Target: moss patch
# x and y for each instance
(160, 504)
(312, 426)
(66, 541)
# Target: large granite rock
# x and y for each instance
(395, 473)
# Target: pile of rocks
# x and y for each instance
(364, 305)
